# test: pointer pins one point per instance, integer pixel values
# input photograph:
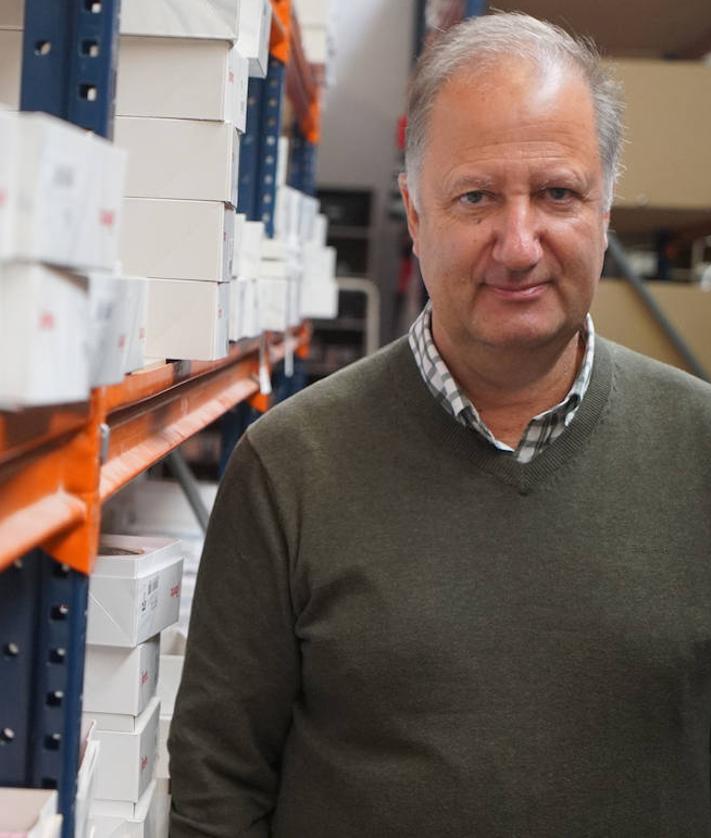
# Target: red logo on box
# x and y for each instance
(46, 321)
(3, 197)
(175, 591)
(122, 341)
(144, 763)
(107, 218)
(231, 77)
(145, 677)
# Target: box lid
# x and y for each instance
(129, 556)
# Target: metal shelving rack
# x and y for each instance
(59, 464)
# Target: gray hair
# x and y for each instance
(478, 43)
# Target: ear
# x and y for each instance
(413, 217)
(606, 226)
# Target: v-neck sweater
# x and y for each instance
(401, 632)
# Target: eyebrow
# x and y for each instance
(470, 183)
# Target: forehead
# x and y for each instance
(510, 110)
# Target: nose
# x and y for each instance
(517, 246)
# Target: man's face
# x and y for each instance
(510, 227)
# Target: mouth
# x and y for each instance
(518, 292)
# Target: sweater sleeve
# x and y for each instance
(242, 666)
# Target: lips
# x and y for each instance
(518, 292)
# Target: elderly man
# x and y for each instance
(463, 588)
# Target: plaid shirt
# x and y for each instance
(541, 431)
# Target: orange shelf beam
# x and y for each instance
(52, 484)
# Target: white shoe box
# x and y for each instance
(119, 680)
(320, 230)
(134, 590)
(136, 291)
(86, 779)
(187, 320)
(145, 818)
(318, 44)
(319, 299)
(214, 19)
(243, 308)
(160, 809)
(163, 757)
(254, 30)
(183, 159)
(109, 325)
(314, 12)
(129, 747)
(240, 222)
(30, 813)
(172, 239)
(10, 67)
(273, 296)
(171, 670)
(248, 250)
(44, 335)
(181, 78)
(62, 193)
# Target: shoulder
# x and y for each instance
(335, 406)
(659, 389)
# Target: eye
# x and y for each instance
(559, 194)
(473, 198)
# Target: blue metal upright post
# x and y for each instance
(69, 71)
(302, 165)
(271, 130)
(69, 61)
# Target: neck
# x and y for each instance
(510, 387)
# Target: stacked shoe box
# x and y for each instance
(61, 191)
(249, 243)
(319, 290)
(29, 812)
(317, 19)
(116, 309)
(181, 109)
(134, 595)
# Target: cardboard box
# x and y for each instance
(180, 78)
(255, 20)
(172, 239)
(216, 19)
(44, 335)
(30, 812)
(187, 320)
(160, 809)
(109, 326)
(12, 14)
(620, 315)
(134, 591)
(184, 159)
(118, 680)
(62, 191)
(668, 124)
(10, 67)
(127, 756)
(125, 819)
(240, 69)
(319, 234)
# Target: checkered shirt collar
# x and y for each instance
(541, 431)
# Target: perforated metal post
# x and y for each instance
(271, 129)
(42, 640)
(69, 61)
(302, 165)
(249, 151)
(68, 70)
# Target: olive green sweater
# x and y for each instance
(400, 632)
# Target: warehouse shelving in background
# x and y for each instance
(59, 464)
